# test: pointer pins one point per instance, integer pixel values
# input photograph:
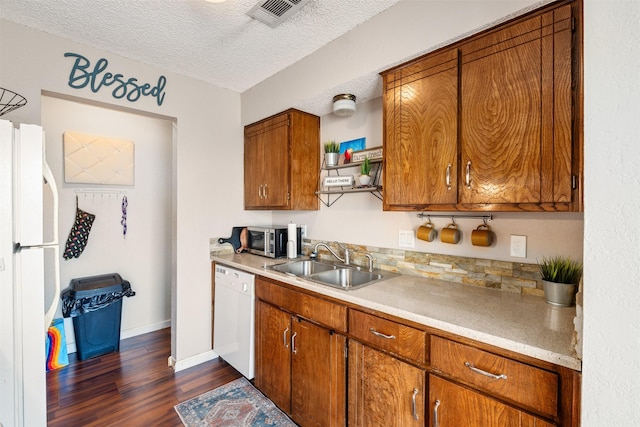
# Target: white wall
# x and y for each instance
(207, 161)
(611, 362)
(144, 256)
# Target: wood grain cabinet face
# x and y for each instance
(383, 390)
(489, 123)
(388, 335)
(525, 385)
(452, 405)
(420, 147)
(273, 354)
(300, 365)
(281, 160)
(515, 118)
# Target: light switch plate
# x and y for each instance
(519, 246)
(406, 239)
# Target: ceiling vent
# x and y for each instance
(275, 12)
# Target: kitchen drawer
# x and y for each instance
(527, 385)
(319, 310)
(388, 335)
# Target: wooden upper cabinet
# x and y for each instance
(491, 122)
(281, 158)
(515, 116)
(421, 102)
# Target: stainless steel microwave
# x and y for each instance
(271, 240)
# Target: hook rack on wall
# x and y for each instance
(485, 218)
(99, 192)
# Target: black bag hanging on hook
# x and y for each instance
(79, 234)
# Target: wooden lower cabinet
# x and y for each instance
(452, 405)
(396, 374)
(383, 390)
(301, 367)
(273, 354)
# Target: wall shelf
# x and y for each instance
(374, 188)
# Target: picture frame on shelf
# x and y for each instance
(354, 145)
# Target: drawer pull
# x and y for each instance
(381, 335)
(413, 404)
(435, 414)
(485, 373)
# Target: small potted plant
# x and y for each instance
(365, 169)
(560, 277)
(331, 153)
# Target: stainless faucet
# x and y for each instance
(370, 257)
(346, 260)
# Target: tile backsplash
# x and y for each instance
(503, 275)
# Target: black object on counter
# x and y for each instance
(239, 239)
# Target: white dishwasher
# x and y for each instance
(233, 320)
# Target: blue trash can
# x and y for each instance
(95, 304)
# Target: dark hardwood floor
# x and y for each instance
(133, 387)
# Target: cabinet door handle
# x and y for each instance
(448, 177)
(260, 191)
(485, 373)
(265, 191)
(284, 338)
(293, 343)
(436, 423)
(413, 404)
(381, 335)
(467, 176)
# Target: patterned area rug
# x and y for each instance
(236, 404)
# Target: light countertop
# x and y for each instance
(521, 323)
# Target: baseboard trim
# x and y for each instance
(129, 333)
(134, 332)
(179, 365)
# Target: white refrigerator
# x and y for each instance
(25, 183)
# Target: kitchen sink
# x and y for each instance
(302, 268)
(335, 275)
(345, 278)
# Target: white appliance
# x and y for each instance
(24, 320)
(234, 314)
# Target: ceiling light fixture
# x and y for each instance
(344, 104)
(215, 1)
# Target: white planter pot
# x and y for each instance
(559, 294)
(364, 180)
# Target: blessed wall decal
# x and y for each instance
(82, 75)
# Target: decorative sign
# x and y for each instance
(130, 88)
(371, 154)
(338, 181)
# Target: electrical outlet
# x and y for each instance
(519, 246)
(406, 239)
(303, 230)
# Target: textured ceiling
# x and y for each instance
(215, 43)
